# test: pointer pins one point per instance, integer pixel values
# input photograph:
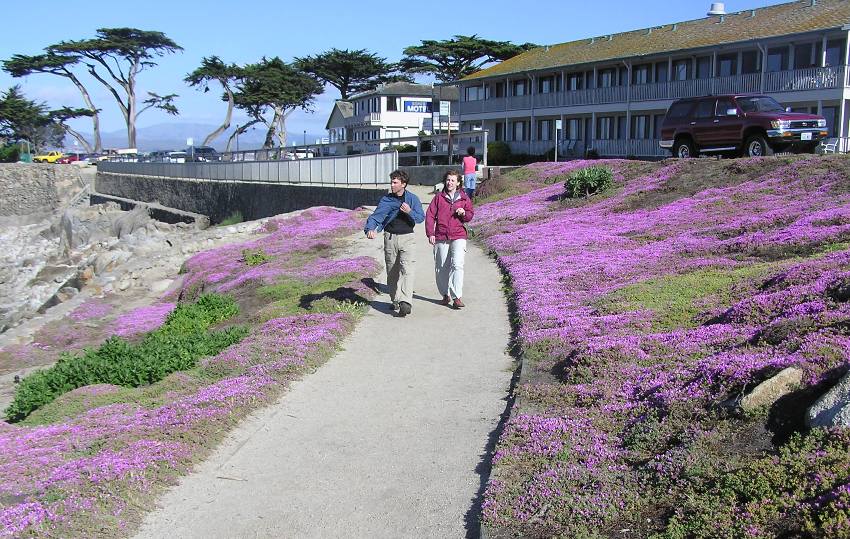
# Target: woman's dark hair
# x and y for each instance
(452, 172)
(470, 150)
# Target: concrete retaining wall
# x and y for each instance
(27, 188)
(220, 199)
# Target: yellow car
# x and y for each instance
(49, 157)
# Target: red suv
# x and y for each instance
(749, 125)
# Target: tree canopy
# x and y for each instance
(53, 63)
(452, 59)
(115, 57)
(213, 69)
(351, 71)
(23, 119)
(273, 86)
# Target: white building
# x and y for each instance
(391, 111)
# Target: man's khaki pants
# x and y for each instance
(401, 260)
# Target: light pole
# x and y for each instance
(305, 138)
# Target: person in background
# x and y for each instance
(445, 226)
(469, 166)
(396, 214)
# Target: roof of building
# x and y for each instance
(771, 21)
(341, 110)
(412, 90)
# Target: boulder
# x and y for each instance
(72, 232)
(832, 409)
(772, 389)
(128, 222)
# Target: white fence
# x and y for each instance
(363, 169)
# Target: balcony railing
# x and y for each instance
(814, 78)
(368, 118)
(571, 149)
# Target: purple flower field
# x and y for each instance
(100, 467)
(619, 421)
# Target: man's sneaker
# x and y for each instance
(395, 306)
(446, 300)
(459, 304)
(404, 308)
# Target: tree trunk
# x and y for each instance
(98, 144)
(270, 133)
(79, 138)
(224, 126)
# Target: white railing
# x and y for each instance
(633, 147)
(815, 78)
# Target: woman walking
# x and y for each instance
(445, 226)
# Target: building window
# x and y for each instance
(544, 130)
(605, 127)
(573, 129)
(704, 67)
(621, 127)
(574, 81)
(546, 85)
(777, 59)
(750, 62)
(474, 93)
(518, 87)
(657, 120)
(640, 74)
(499, 89)
(681, 69)
(640, 127)
(519, 131)
(392, 104)
(661, 69)
(803, 56)
(606, 78)
(500, 131)
(835, 52)
(727, 64)
(830, 114)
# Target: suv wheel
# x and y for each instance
(757, 146)
(684, 149)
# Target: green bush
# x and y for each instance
(255, 257)
(10, 153)
(406, 148)
(588, 181)
(498, 153)
(176, 346)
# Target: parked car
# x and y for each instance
(203, 153)
(49, 157)
(177, 157)
(749, 125)
(70, 158)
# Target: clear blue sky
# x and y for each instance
(245, 31)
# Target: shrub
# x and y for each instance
(232, 219)
(588, 181)
(591, 154)
(10, 153)
(255, 257)
(498, 153)
(406, 148)
(176, 346)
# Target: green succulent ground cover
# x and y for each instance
(176, 345)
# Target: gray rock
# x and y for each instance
(72, 232)
(124, 284)
(160, 286)
(106, 261)
(832, 409)
(128, 222)
(772, 389)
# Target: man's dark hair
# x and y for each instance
(470, 150)
(401, 175)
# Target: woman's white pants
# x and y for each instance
(448, 267)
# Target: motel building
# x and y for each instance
(611, 92)
(390, 111)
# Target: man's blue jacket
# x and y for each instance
(388, 208)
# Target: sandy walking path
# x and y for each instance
(387, 439)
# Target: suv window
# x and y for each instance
(759, 104)
(723, 105)
(705, 108)
(680, 110)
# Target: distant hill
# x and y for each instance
(172, 136)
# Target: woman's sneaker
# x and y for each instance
(458, 304)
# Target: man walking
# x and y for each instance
(396, 214)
